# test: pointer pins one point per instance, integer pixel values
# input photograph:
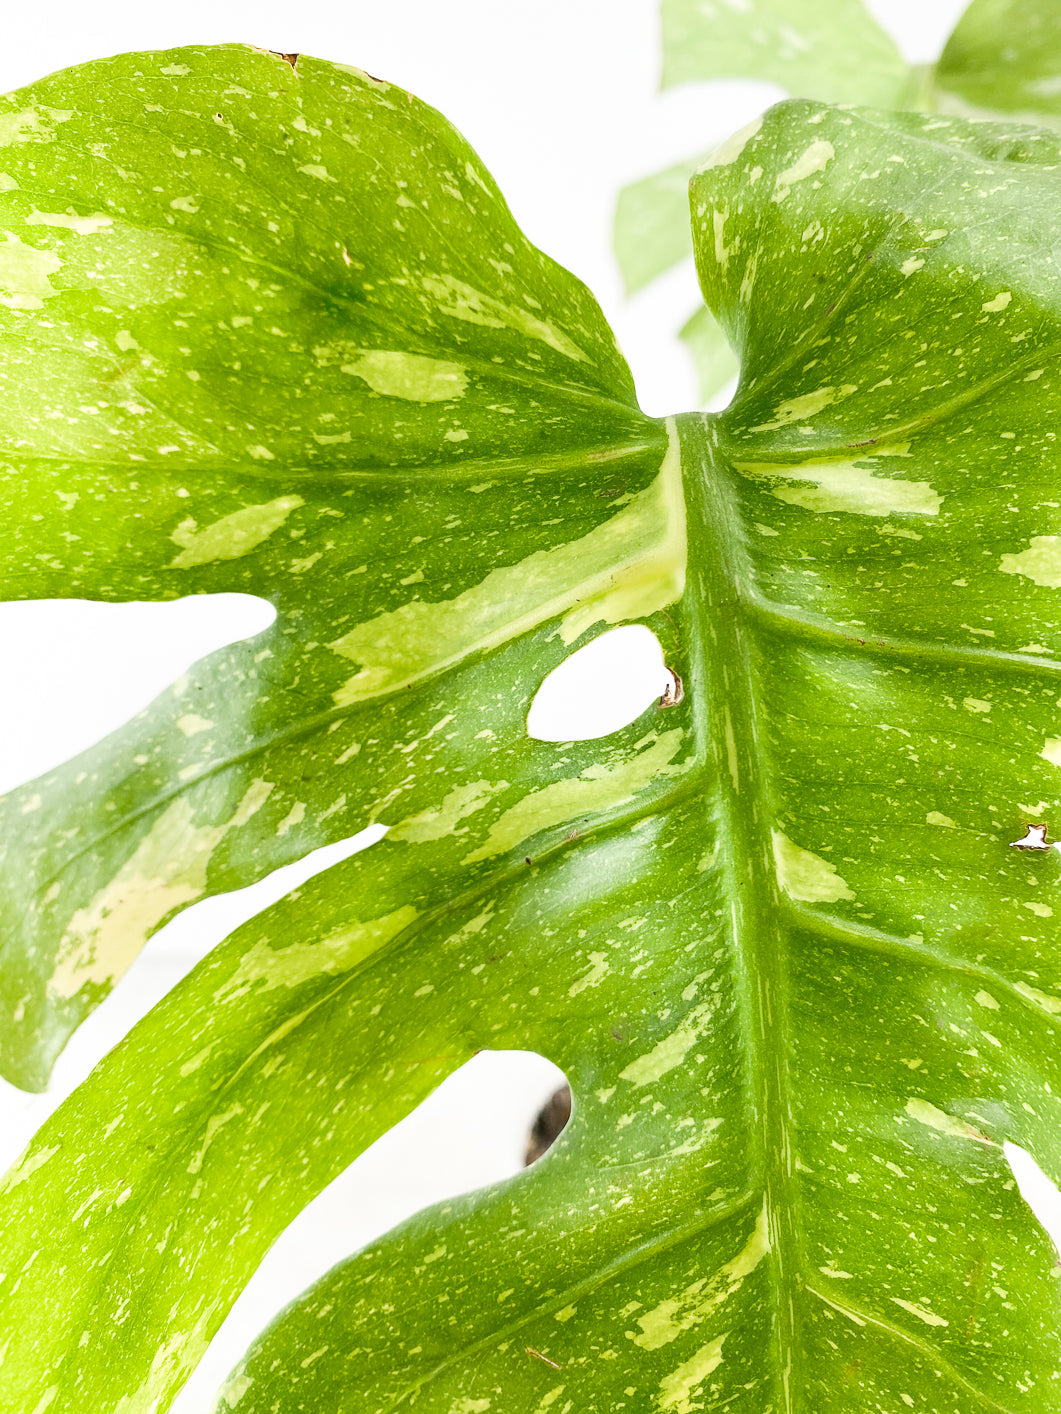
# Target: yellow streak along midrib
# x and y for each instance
(661, 563)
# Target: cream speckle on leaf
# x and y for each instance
(233, 535)
(805, 876)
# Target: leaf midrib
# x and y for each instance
(736, 608)
(727, 709)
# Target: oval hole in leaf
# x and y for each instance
(601, 688)
(470, 1132)
(1038, 1191)
(76, 669)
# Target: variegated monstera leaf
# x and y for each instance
(271, 328)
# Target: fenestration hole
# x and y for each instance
(601, 688)
(1038, 1191)
(469, 1133)
(551, 1121)
(76, 669)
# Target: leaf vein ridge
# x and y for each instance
(713, 1217)
(796, 622)
(943, 1366)
(843, 930)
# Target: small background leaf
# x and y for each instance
(1004, 57)
(716, 363)
(652, 224)
(835, 51)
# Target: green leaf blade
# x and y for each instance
(254, 1109)
(900, 450)
(883, 886)
(237, 770)
(835, 52)
(268, 268)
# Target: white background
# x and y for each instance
(559, 98)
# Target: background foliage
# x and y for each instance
(998, 61)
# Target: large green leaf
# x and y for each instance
(775, 935)
(1004, 57)
(787, 1191)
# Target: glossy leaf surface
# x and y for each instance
(276, 349)
(775, 934)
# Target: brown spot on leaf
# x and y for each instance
(544, 1358)
(673, 692)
